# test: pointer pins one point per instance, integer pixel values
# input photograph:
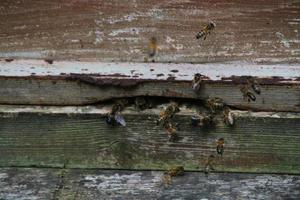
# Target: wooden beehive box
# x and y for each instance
(64, 64)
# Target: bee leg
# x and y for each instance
(219, 150)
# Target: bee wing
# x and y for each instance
(196, 87)
(120, 119)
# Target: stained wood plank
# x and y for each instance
(259, 142)
(33, 183)
(257, 31)
(77, 83)
(28, 184)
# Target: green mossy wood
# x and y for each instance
(258, 142)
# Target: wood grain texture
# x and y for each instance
(32, 183)
(36, 82)
(257, 31)
(258, 142)
(135, 185)
(67, 92)
(25, 184)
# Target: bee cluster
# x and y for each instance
(165, 119)
(204, 119)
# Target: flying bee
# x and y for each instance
(176, 171)
(152, 47)
(206, 31)
(220, 146)
(247, 95)
(197, 81)
(254, 85)
(167, 114)
(209, 164)
(228, 117)
(214, 104)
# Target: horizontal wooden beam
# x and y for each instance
(36, 82)
(33, 183)
(113, 31)
(78, 137)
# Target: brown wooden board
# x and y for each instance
(62, 184)
(257, 31)
(78, 137)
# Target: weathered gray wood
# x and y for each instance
(148, 185)
(76, 83)
(33, 183)
(259, 142)
(116, 31)
(28, 184)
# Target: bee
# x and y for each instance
(170, 111)
(228, 117)
(197, 81)
(195, 120)
(209, 164)
(114, 117)
(171, 131)
(206, 31)
(202, 120)
(142, 104)
(176, 171)
(214, 104)
(49, 61)
(254, 85)
(152, 47)
(220, 146)
(9, 60)
(247, 95)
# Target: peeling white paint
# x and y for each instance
(293, 23)
(132, 31)
(127, 18)
(215, 71)
(98, 36)
(115, 182)
(19, 27)
(283, 39)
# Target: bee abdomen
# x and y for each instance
(200, 35)
(251, 96)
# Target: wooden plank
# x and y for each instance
(77, 83)
(78, 137)
(25, 184)
(148, 184)
(257, 31)
(33, 183)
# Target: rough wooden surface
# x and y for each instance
(36, 82)
(258, 31)
(30, 183)
(259, 142)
